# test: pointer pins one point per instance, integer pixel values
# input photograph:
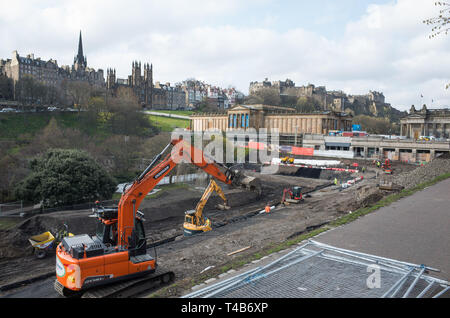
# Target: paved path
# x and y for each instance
(166, 115)
(415, 229)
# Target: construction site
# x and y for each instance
(303, 197)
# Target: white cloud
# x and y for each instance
(387, 49)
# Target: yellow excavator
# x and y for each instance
(287, 160)
(194, 221)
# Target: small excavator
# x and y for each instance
(287, 160)
(115, 262)
(387, 167)
(295, 196)
(195, 222)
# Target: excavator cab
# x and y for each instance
(106, 231)
(193, 225)
(297, 193)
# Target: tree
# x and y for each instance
(440, 23)
(375, 125)
(269, 96)
(29, 91)
(253, 100)
(307, 105)
(63, 177)
(78, 92)
(124, 115)
(6, 87)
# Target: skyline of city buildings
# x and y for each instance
(186, 94)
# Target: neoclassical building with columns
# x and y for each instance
(287, 120)
(426, 122)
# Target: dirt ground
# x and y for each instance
(233, 229)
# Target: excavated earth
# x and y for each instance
(240, 227)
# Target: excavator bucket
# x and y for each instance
(223, 207)
(250, 183)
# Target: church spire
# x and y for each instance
(80, 47)
(80, 60)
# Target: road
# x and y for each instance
(415, 229)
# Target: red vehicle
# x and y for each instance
(295, 195)
(118, 252)
(387, 167)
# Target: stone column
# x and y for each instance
(432, 154)
(414, 155)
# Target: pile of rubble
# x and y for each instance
(425, 173)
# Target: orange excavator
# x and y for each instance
(115, 260)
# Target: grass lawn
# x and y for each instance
(168, 124)
(14, 125)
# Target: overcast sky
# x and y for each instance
(349, 45)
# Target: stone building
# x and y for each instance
(426, 122)
(140, 83)
(372, 103)
(286, 120)
(49, 73)
(168, 97)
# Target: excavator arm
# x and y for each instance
(213, 186)
(182, 151)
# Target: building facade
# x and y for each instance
(140, 83)
(285, 120)
(372, 103)
(426, 122)
(168, 97)
(49, 73)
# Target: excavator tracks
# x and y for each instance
(129, 288)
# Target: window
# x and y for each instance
(100, 230)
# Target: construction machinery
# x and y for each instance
(194, 221)
(115, 260)
(295, 196)
(387, 167)
(287, 160)
(46, 242)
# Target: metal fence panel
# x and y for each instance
(316, 270)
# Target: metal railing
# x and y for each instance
(316, 270)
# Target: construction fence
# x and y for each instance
(316, 270)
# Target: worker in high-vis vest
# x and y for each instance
(267, 207)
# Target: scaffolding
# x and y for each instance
(317, 270)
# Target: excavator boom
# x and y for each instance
(153, 174)
(118, 252)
